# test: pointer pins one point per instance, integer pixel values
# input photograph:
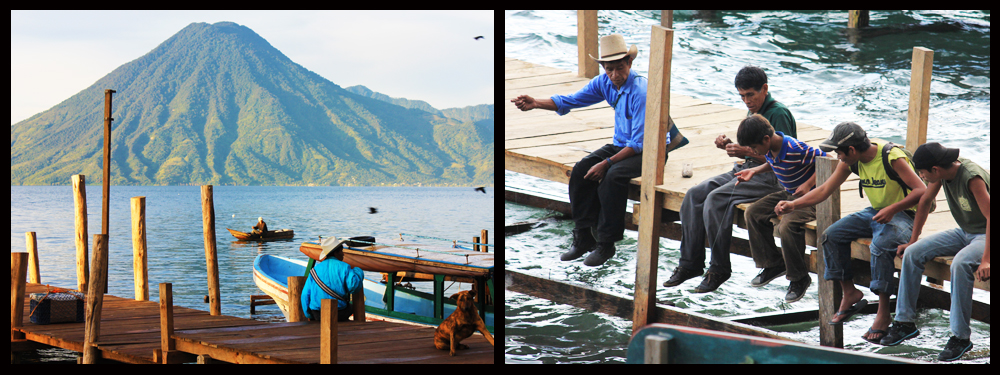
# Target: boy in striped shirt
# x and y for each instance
(794, 165)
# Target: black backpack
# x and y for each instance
(891, 172)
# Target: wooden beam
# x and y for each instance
(18, 273)
(653, 159)
(857, 19)
(920, 97)
(586, 43)
(95, 299)
(563, 292)
(830, 292)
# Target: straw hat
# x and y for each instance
(613, 49)
(331, 245)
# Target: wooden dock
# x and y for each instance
(131, 334)
(542, 144)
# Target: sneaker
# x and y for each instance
(955, 349)
(900, 332)
(711, 283)
(680, 276)
(767, 275)
(583, 243)
(797, 289)
(601, 254)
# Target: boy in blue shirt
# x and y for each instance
(793, 163)
(331, 278)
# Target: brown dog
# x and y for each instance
(461, 325)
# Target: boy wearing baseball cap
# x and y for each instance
(967, 188)
(893, 189)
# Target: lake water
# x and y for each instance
(822, 77)
(176, 244)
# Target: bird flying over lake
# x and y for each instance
(479, 37)
(481, 190)
(372, 210)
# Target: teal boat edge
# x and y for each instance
(698, 346)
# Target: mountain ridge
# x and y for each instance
(217, 104)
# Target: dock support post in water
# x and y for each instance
(830, 292)
(211, 253)
(140, 263)
(80, 208)
(653, 159)
(857, 19)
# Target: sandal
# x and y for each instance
(877, 341)
(847, 314)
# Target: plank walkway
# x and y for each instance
(130, 333)
(542, 144)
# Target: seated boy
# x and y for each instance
(888, 222)
(967, 188)
(793, 163)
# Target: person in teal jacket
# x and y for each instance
(338, 281)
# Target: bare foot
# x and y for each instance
(851, 297)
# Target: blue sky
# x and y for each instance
(424, 55)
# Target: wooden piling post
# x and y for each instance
(95, 299)
(486, 241)
(358, 300)
(328, 333)
(80, 208)
(830, 292)
(296, 312)
(18, 272)
(920, 97)
(167, 345)
(34, 273)
(857, 19)
(211, 254)
(106, 197)
(139, 257)
(586, 43)
(653, 159)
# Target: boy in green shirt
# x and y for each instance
(967, 187)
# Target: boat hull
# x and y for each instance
(271, 274)
(282, 234)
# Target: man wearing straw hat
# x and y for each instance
(331, 278)
(598, 187)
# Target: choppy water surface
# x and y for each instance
(823, 78)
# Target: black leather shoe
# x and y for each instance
(601, 254)
(712, 282)
(583, 243)
(681, 275)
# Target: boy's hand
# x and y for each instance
(983, 273)
(524, 102)
(784, 208)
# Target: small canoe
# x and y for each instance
(283, 234)
(271, 273)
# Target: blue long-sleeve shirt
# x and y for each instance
(629, 104)
(337, 275)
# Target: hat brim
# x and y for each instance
(331, 245)
(632, 53)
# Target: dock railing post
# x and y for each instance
(653, 160)
(586, 43)
(167, 345)
(18, 272)
(95, 299)
(328, 333)
(830, 292)
(296, 312)
(211, 253)
(139, 249)
(920, 97)
(80, 205)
